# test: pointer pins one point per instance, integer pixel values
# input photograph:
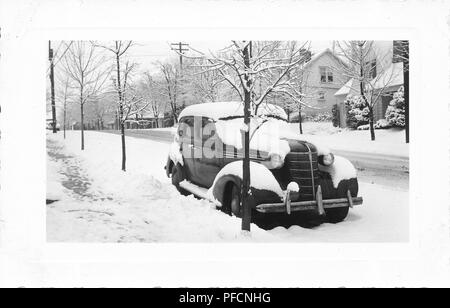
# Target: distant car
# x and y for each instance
(288, 172)
(50, 126)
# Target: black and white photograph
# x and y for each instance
(224, 148)
(192, 141)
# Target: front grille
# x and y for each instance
(304, 170)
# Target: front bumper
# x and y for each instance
(319, 204)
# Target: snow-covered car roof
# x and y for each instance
(223, 110)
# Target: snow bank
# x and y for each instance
(341, 169)
(383, 218)
(260, 177)
(139, 205)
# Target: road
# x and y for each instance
(372, 168)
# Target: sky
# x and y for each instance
(147, 53)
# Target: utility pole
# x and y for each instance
(180, 48)
(52, 85)
(401, 54)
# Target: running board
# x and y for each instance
(195, 189)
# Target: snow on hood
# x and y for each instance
(221, 110)
(270, 137)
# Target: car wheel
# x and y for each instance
(232, 200)
(177, 178)
(338, 215)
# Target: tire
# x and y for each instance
(177, 178)
(338, 215)
(232, 200)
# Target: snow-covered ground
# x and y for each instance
(387, 141)
(97, 202)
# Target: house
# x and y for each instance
(387, 77)
(322, 79)
(146, 119)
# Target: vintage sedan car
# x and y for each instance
(289, 172)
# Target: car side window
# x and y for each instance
(186, 129)
(208, 128)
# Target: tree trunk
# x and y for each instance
(121, 113)
(300, 126)
(361, 89)
(65, 112)
(124, 152)
(52, 86)
(246, 203)
(175, 120)
(372, 128)
(82, 127)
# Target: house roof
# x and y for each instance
(392, 77)
(321, 54)
(349, 88)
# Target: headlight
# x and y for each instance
(327, 159)
(276, 161)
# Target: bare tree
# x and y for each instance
(172, 77)
(204, 84)
(86, 69)
(128, 98)
(366, 66)
(246, 66)
(65, 96)
(153, 91)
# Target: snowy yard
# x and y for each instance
(387, 141)
(97, 202)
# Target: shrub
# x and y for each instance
(319, 117)
(395, 113)
(381, 124)
(335, 114)
(357, 111)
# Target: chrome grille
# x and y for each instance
(304, 170)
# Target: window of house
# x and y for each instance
(321, 96)
(326, 75)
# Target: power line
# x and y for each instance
(180, 48)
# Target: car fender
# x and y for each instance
(342, 169)
(259, 194)
(168, 166)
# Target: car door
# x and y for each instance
(210, 162)
(186, 136)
